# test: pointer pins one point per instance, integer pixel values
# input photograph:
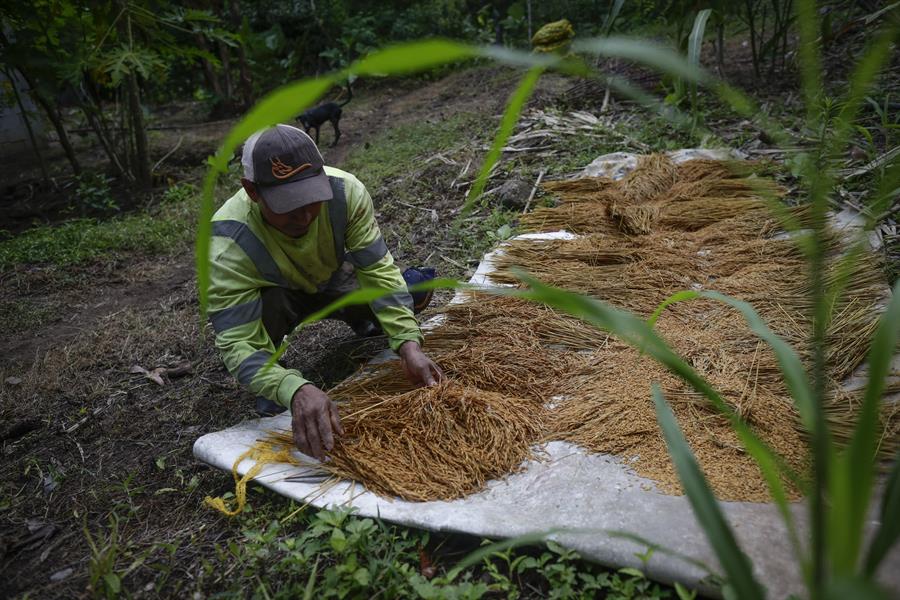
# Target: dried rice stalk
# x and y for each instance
(704, 168)
(634, 219)
(433, 443)
(653, 175)
(841, 408)
(613, 413)
(512, 365)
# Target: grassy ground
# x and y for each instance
(99, 491)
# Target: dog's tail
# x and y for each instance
(349, 95)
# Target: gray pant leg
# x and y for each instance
(284, 309)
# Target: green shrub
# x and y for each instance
(80, 241)
(94, 194)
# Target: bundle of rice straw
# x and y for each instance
(435, 443)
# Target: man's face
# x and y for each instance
(293, 224)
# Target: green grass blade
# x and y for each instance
(640, 540)
(611, 17)
(850, 476)
(202, 240)
(791, 366)
(663, 59)
(673, 299)
(851, 500)
(644, 52)
(310, 588)
(887, 189)
(889, 531)
(695, 44)
(411, 57)
(477, 556)
(518, 58)
(640, 335)
(735, 563)
(810, 61)
(862, 78)
(857, 588)
(874, 59)
(359, 296)
(510, 116)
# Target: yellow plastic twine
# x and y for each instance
(264, 452)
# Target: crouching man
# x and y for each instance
(298, 236)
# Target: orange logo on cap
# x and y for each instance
(283, 171)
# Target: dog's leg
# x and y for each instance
(337, 131)
(317, 134)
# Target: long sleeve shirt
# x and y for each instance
(247, 255)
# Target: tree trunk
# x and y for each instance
(139, 131)
(121, 135)
(55, 118)
(10, 74)
(90, 111)
(751, 22)
(226, 71)
(720, 47)
(528, 4)
(243, 66)
(211, 80)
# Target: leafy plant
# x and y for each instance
(836, 560)
(179, 193)
(688, 89)
(81, 241)
(94, 193)
(104, 577)
(357, 38)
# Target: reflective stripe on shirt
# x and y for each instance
(402, 299)
(337, 213)
(371, 254)
(251, 365)
(236, 315)
(253, 248)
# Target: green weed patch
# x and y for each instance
(84, 240)
(340, 555)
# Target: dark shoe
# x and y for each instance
(267, 408)
(414, 275)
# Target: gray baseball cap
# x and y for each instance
(286, 167)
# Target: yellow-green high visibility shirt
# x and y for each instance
(248, 255)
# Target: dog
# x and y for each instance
(314, 118)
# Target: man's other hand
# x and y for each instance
(314, 421)
(418, 368)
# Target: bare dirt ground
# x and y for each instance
(87, 441)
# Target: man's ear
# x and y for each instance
(250, 188)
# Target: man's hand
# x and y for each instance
(314, 421)
(417, 367)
